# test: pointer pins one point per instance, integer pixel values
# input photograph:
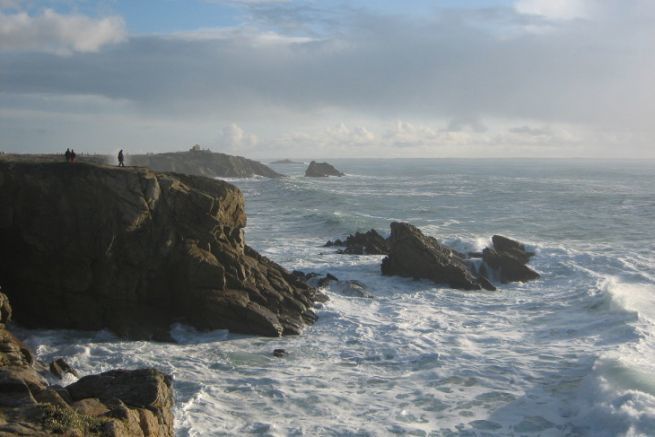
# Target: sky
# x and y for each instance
(320, 79)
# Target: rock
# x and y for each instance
(322, 282)
(5, 308)
(204, 163)
(368, 243)
(508, 259)
(415, 255)
(59, 368)
(352, 288)
(133, 251)
(336, 242)
(321, 170)
(280, 353)
(28, 406)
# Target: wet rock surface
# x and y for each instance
(413, 254)
(507, 261)
(132, 250)
(362, 243)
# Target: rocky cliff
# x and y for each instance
(203, 163)
(129, 249)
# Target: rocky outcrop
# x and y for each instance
(507, 261)
(115, 403)
(203, 163)
(321, 170)
(285, 161)
(132, 250)
(362, 243)
(415, 255)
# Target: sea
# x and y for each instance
(570, 354)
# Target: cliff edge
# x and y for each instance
(133, 250)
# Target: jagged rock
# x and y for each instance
(321, 170)
(508, 259)
(204, 163)
(415, 255)
(132, 250)
(362, 243)
(59, 368)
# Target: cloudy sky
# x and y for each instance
(359, 78)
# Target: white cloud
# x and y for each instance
(52, 32)
(555, 9)
(250, 36)
(234, 138)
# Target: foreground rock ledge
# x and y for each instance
(115, 403)
(92, 247)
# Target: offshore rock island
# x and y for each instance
(133, 250)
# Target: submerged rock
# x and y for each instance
(132, 250)
(352, 288)
(413, 254)
(321, 170)
(280, 353)
(508, 259)
(362, 243)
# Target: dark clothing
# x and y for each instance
(68, 155)
(121, 158)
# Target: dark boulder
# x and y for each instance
(415, 255)
(132, 250)
(362, 243)
(321, 170)
(280, 353)
(508, 259)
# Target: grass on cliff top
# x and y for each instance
(59, 421)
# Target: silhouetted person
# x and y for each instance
(121, 158)
(68, 155)
(73, 155)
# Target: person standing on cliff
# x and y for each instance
(72, 156)
(121, 158)
(68, 155)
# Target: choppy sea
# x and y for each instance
(570, 354)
